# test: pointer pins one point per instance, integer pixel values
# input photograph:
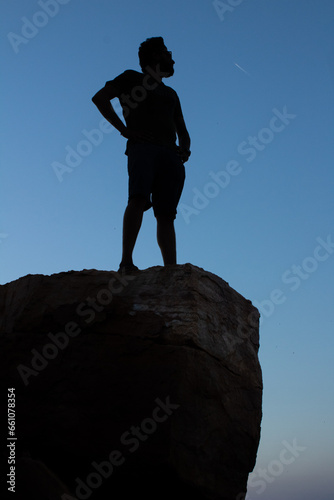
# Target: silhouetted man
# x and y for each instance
(153, 117)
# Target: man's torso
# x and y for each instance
(148, 106)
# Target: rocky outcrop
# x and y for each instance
(147, 384)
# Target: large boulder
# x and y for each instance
(148, 384)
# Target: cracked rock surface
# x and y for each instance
(156, 374)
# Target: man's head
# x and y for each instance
(154, 53)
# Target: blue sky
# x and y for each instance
(255, 79)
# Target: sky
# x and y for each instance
(255, 80)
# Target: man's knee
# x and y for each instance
(165, 219)
(137, 202)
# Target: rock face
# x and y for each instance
(147, 384)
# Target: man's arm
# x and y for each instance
(183, 137)
(102, 100)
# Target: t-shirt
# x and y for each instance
(148, 106)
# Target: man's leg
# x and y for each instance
(132, 220)
(166, 239)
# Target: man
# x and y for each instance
(153, 118)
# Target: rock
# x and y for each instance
(145, 384)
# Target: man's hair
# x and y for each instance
(147, 50)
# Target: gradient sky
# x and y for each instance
(255, 79)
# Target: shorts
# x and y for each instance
(156, 173)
